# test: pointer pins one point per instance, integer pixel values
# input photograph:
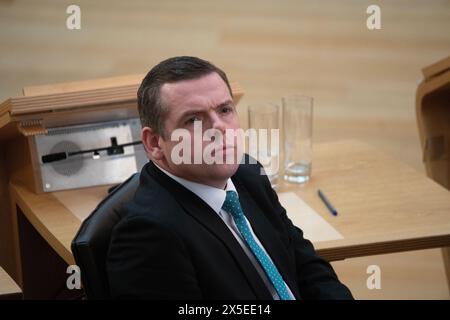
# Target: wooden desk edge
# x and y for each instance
(17, 193)
(353, 250)
(9, 289)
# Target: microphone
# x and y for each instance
(114, 149)
(54, 157)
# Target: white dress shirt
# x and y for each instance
(215, 197)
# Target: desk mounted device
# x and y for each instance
(89, 154)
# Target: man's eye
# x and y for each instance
(192, 119)
(226, 109)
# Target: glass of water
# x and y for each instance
(297, 132)
(263, 134)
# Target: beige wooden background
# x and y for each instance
(363, 81)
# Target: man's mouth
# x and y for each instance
(224, 149)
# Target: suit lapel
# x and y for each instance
(203, 213)
(266, 235)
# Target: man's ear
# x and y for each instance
(150, 140)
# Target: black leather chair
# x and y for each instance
(91, 243)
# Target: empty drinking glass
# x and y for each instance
(297, 131)
(264, 124)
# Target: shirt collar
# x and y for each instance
(214, 197)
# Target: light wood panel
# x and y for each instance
(363, 82)
(81, 96)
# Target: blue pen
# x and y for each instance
(327, 203)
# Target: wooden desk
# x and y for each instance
(384, 206)
(51, 216)
(8, 288)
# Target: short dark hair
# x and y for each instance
(152, 112)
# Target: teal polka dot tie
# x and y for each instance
(232, 206)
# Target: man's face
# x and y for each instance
(205, 101)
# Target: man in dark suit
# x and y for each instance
(206, 230)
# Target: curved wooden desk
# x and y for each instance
(50, 216)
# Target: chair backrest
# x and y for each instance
(433, 120)
(91, 243)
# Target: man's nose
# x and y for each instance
(218, 123)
